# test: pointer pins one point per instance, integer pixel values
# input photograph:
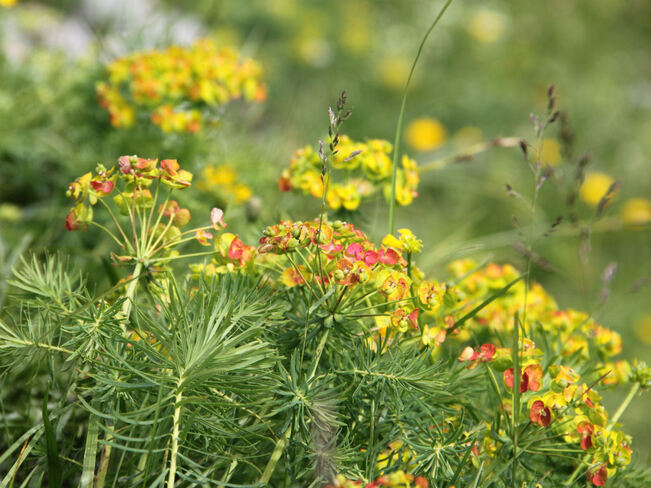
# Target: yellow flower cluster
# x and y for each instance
(224, 180)
(560, 398)
(174, 86)
(364, 167)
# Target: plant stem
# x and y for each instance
(401, 116)
(131, 289)
(175, 434)
(275, 457)
(624, 405)
(469, 153)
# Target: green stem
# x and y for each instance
(401, 116)
(131, 290)
(175, 435)
(469, 153)
(275, 457)
(624, 405)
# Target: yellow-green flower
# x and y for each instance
(595, 186)
(425, 134)
(636, 212)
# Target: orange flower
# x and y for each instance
(540, 414)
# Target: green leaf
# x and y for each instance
(55, 472)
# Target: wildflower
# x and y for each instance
(225, 179)
(173, 176)
(585, 428)
(425, 134)
(395, 286)
(433, 336)
(79, 217)
(366, 167)
(636, 212)
(402, 318)
(159, 82)
(595, 187)
(430, 295)
(540, 414)
(202, 237)
(530, 376)
(217, 219)
(599, 477)
(407, 242)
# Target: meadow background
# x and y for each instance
(486, 68)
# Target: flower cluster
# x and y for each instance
(365, 168)
(175, 85)
(337, 259)
(397, 479)
(223, 181)
(154, 224)
(560, 396)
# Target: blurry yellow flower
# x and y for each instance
(393, 72)
(467, 136)
(425, 134)
(224, 179)
(486, 25)
(642, 328)
(550, 152)
(8, 3)
(636, 212)
(594, 187)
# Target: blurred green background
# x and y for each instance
(486, 67)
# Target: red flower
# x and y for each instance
(105, 187)
(71, 221)
(585, 429)
(529, 380)
(487, 352)
(540, 414)
(388, 256)
(599, 477)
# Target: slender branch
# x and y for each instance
(175, 434)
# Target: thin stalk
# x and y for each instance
(175, 434)
(469, 153)
(131, 290)
(516, 397)
(115, 221)
(275, 457)
(109, 233)
(401, 116)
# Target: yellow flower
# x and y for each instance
(636, 212)
(408, 241)
(594, 187)
(8, 3)
(425, 134)
(486, 26)
(550, 152)
(347, 196)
